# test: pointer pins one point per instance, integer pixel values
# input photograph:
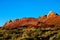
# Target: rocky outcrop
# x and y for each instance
(49, 20)
(52, 19)
(17, 23)
(42, 18)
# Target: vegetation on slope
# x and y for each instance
(30, 34)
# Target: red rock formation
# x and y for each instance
(42, 18)
(52, 19)
(44, 21)
(20, 23)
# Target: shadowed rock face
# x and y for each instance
(43, 21)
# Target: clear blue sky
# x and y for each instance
(11, 9)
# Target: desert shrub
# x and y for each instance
(27, 39)
(13, 37)
(52, 38)
(1, 35)
(14, 31)
(31, 34)
(7, 38)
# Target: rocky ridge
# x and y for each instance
(50, 20)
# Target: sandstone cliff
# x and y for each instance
(52, 19)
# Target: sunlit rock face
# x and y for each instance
(52, 19)
(8, 24)
(42, 18)
(17, 23)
